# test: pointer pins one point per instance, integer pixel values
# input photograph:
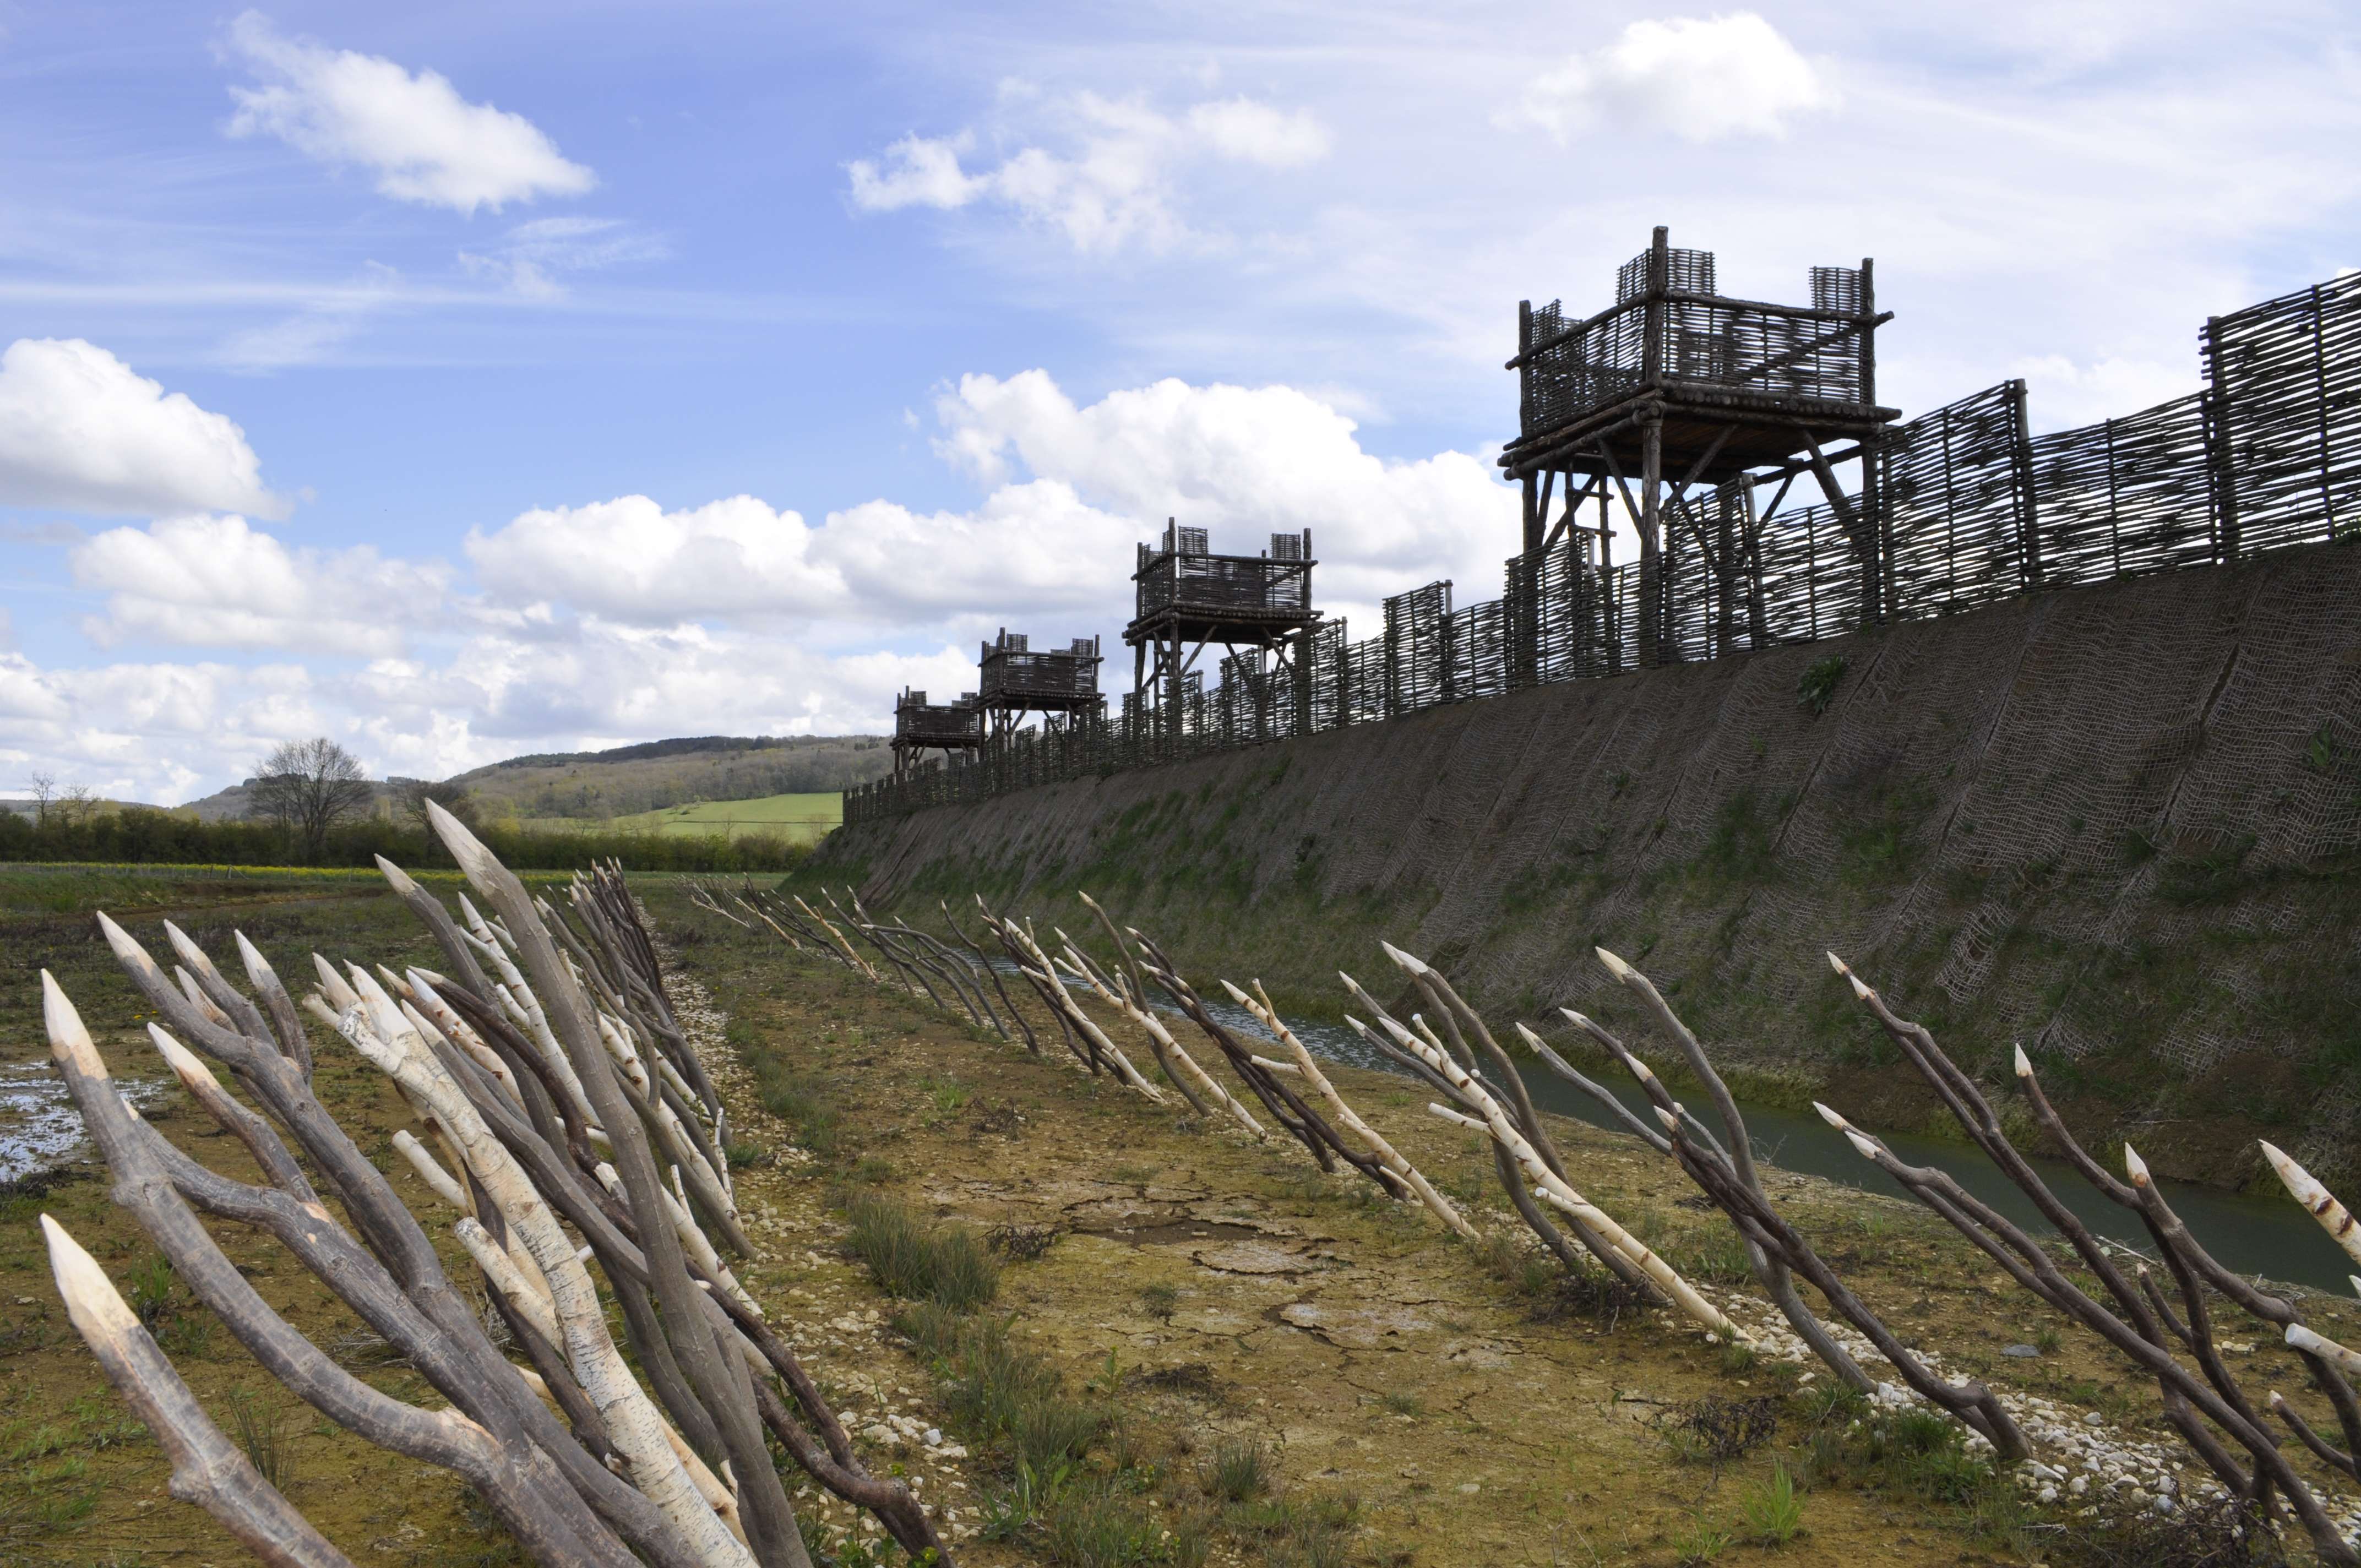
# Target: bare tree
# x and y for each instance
(452, 796)
(45, 790)
(309, 786)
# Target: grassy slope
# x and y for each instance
(2122, 826)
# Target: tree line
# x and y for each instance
(312, 806)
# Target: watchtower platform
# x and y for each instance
(1059, 684)
(1676, 385)
(1188, 597)
(920, 726)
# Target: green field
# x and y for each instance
(798, 818)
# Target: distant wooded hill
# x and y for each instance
(593, 787)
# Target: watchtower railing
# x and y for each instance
(1197, 582)
(1684, 332)
(1010, 670)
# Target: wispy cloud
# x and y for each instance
(1112, 184)
(533, 258)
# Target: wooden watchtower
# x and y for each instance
(1188, 597)
(1676, 385)
(1059, 684)
(920, 726)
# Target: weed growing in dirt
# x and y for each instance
(1161, 1301)
(1700, 1544)
(1402, 1404)
(743, 1156)
(918, 1260)
(150, 1292)
(1773, 1510)
(261, 1432)
(1238, 1470)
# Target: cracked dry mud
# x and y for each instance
(1351, 1333)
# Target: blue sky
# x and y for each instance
(461, 381)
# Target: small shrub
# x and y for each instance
(1020, 1244)
(1714, 1430)
(1773, 1510)
(743, 1156)
(1161, 1301)
(1238, 1470)
(1818, 687)
(920, 1261)
(2222, 1534)
(1402, 1404)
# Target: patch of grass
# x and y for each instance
(799, 1099)
(1159, 1302)
(996, 1392)
(1919, 1453)
(1402, 1404)
(1817, 686)
(743, 1155)
(1717, 1256)
(1313, 1531)
(919, 1260)
(1094, 1523)
(1238, 1470)
(1773, 1511)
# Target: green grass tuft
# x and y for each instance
(919, 1260)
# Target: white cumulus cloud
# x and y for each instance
(423, 142)
(1112, 183)
(1699, 79)
(218, 582)
(630, 559)
(81, 431)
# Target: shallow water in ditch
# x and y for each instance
(39, 1124)
(2275, 1239)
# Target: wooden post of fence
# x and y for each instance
(2218, 445)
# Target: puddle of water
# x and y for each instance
(2273, 1239)
(39, 1124)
